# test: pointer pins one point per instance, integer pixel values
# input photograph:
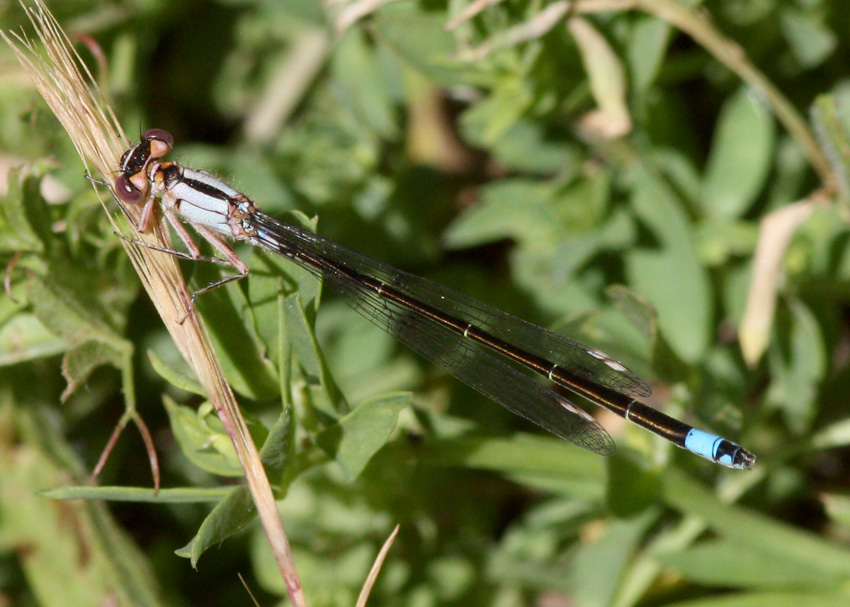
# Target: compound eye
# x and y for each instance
(159, 135)
(126, 191)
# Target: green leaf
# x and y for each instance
(419, 39)
(362, 82)
(273, 278)
(646, 50)
(24, 218)
(182, 495)
(727, 563)
(798, 363)
(173, 376)
(549, 463)
(607, 80)
(76, 554)
(203, 440)
(520, 209)
(325, 396)
(759, 534)
(79, 362)
(361, 433)
(241, 352)
(279, 443)
(741, 153)
(809, 37)
(24, 338)
(527, 147)
(671, 277)
(229, 517)
(489, 120)
(600, 563)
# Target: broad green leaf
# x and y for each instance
(520, 209)
(24, 338)
(24, 219)
(798, 362)
(600, 564)
(203, 440)
(362, 432)
(174, 376)
(241, 352)
(81, 360)
(273, 278)
(279, 443)
(419, 39)
(646, 51)
(810, 38)
(671, 277)
(742, 150)
(230, 516)
(362, 82)
(527, 147)
(491, 118)
(71, 312)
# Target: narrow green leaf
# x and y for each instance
(726, 563)
(755, 531)
(182, 495)
(831, 128)
(241, 352)
(325, 395)
(782, 598)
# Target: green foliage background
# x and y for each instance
(473, 157)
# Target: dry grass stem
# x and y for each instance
(69, 89)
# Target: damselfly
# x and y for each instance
(472, 341)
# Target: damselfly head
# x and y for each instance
(132, 185)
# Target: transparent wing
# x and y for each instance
(585, 362)
(469, 361)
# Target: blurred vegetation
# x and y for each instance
(600, 171)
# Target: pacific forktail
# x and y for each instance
(471, 340)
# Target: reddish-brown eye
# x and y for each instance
(159, 135)
(126, 191)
